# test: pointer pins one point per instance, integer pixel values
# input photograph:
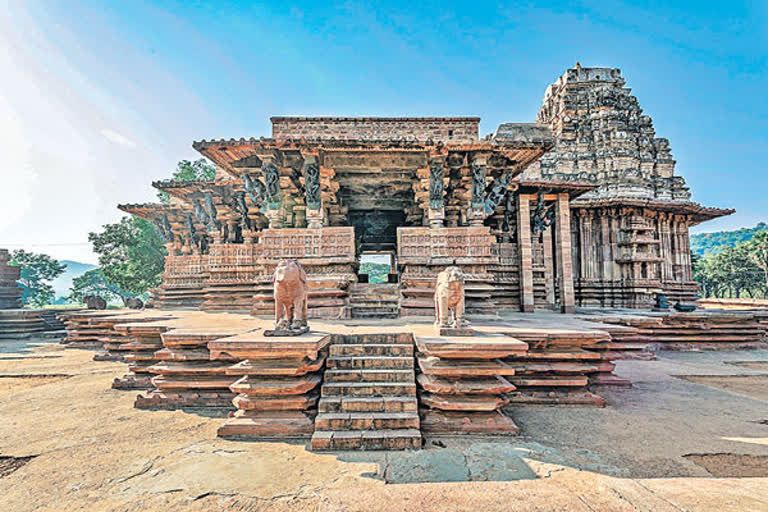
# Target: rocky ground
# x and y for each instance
(69, 442)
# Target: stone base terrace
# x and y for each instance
(384, 384)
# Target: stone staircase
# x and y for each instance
(368, 397)
(375, 300)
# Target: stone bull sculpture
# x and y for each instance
(449, 298)
(290, 293)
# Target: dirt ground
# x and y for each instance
(755, 386)
(650, 449)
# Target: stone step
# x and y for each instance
(366, 420)
(375, 306)
(374, 375)
(371, 349)
(369, 362)
(373, 303)
(368, 388)
(401, 439)
(375, 288)
(368, 404)
(374, 314)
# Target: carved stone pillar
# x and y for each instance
(549, 266)
(564, 261)
(525, 252)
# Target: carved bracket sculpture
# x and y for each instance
(272, 180)
(312, 184)
(449, 303)
(240, 206)
(163, 228)
(256, 190)
(508, 223)
(290, 294)
(191, 229)
(211, 213)
(436, 186)
(478, 185)
(543, 216)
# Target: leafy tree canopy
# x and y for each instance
(37, 270)
(93, 282)
(131, 256)
(739, 271)
(200, 169)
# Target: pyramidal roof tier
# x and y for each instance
(604, 138)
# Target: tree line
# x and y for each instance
(739, 271)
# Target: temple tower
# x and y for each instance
(631, 232)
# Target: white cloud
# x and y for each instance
(117, 138)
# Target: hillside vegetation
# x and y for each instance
(704, 244)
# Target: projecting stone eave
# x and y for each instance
(140, 209)
(523, 143)
(521, 134)
(698, 212)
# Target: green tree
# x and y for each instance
(93, 282)
(37, 270)
(131, 255)
(200, 169)
(758, 252)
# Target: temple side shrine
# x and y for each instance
(581, 208)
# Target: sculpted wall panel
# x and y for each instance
(426, 246)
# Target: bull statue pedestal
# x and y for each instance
(290, 293)
(449, 304)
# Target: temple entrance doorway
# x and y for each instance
(376, 243)
(377, 292)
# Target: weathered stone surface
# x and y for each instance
(289, 386)
(490, 346)
(435, 421)
(478, 385)
(267, 424)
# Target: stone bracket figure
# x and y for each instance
(312, 182)
(290, 294)
(256, 190)
(449, 302)
(436, 186)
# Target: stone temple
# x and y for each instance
(581, 208)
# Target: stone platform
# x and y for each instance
(371, 384)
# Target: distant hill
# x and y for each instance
(711, 243)
(63, 283)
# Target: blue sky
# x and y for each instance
(100, 98)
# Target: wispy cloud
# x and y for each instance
(117, 138)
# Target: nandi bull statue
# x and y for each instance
(290, 293)
(449, 303)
